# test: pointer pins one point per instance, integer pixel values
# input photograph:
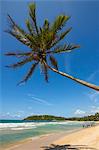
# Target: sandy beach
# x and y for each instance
(87, 138)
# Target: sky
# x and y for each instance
(61, 96)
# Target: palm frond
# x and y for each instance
(29, 27)
(15, 27)
(46, 25)
(29, 74)
(50, 38)
(32, 13)
(53, 62)
(17, 32)
(18, 54)
(11, 21)
(33, 41)
(60, 37)
(44, 35)
(59, 23)
(63, 49)
(21, 35)
(21, 63)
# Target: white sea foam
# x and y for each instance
(16, 125)
(24, 128)
(30, 125)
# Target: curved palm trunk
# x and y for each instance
(75, 79)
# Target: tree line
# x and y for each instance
(56, 118)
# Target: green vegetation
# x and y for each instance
(43, 44)
(87, 118)
(45, 117)
(54, 118)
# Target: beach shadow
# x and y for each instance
(68, 147)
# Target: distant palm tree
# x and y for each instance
(43, 43)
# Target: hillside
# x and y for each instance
(55, 118)
(45, 117)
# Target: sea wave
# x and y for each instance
(30, 125)
(24, 128)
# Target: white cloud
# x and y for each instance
(94, 109)
(19, 114)
(94, 96)
(93, 75)
(10, 116)
(91, 111)
(79, 112)
(39, 100)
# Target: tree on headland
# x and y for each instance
(43, 43)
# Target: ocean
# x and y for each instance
(12, 131)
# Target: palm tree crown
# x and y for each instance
(43, 43)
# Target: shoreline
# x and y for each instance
(49, 138)
(86, 139)
(83, 137)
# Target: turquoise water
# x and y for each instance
(13, 131)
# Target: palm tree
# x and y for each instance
(43, 43)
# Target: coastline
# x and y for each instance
(39, 141)
(85, 137)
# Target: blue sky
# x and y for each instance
(61, 96)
